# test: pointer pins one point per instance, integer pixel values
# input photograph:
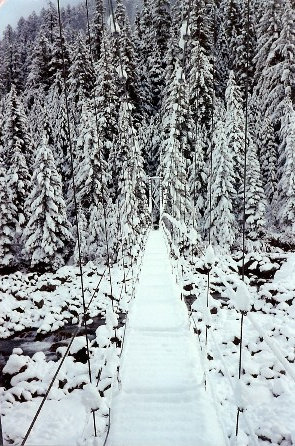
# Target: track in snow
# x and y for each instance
(162, 401)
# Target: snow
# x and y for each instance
(242, 297)
(286, 274)
(184, 32)
(50, 301)
(162, 400)
(14, 364)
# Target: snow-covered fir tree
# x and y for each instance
(255, 200)
(235, 128)
(48, 235)
(220, 218)
(286, 186)
(16, 130)
(8, 216)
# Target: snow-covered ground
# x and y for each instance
(266, 387)
(46, 304)
(50, 301)
(162, 363)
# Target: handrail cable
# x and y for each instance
(76, 332)
(69, 136)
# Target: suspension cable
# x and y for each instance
(69, 137)
(76, 332)
(244, 188)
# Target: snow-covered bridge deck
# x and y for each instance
(162, 401)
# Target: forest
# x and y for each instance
(152, 93)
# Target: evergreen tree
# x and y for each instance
(19, 183)
(16, 135)
(286, 186)
(223, 221)
(235, 128)
(176, 148)
(81, 79)
(38, 69)
(128, 180)
(89, 166)
(198, 180)
(161, 19)
(47, 237)
(107, 96)
(268, 157)
(244, 47)
(8, 214)
(98, 25)
(255, 205)
(275, 59)
(98, 236)
(11, 62)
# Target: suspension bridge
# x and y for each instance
(160, 390)
(162, 400)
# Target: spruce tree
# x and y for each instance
(81, 79)
(235, 127)
(268, 157)
(47, 237)
(255, 204)
(223, 221)
(127, 178)
(16, 130)
(286, 186)
(8, 215)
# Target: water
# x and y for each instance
(31, 342)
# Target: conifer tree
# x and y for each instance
(12, 68)
(125, 60)
(38, 68)
(8, 214)
(16, 135)
(107, 96)
(47, 237)
(255, 204)
(89, 166)
(275, 59)
(223, 221)
(129, 194)
(19, 183)
(268, 157)
(235, 127)
(160, 12)
(81, 79)
(286, 186)
(176, 148)
(98, 233)
(98, 25)
(198, 179)
(200, 68)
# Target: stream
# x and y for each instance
(31, 342)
